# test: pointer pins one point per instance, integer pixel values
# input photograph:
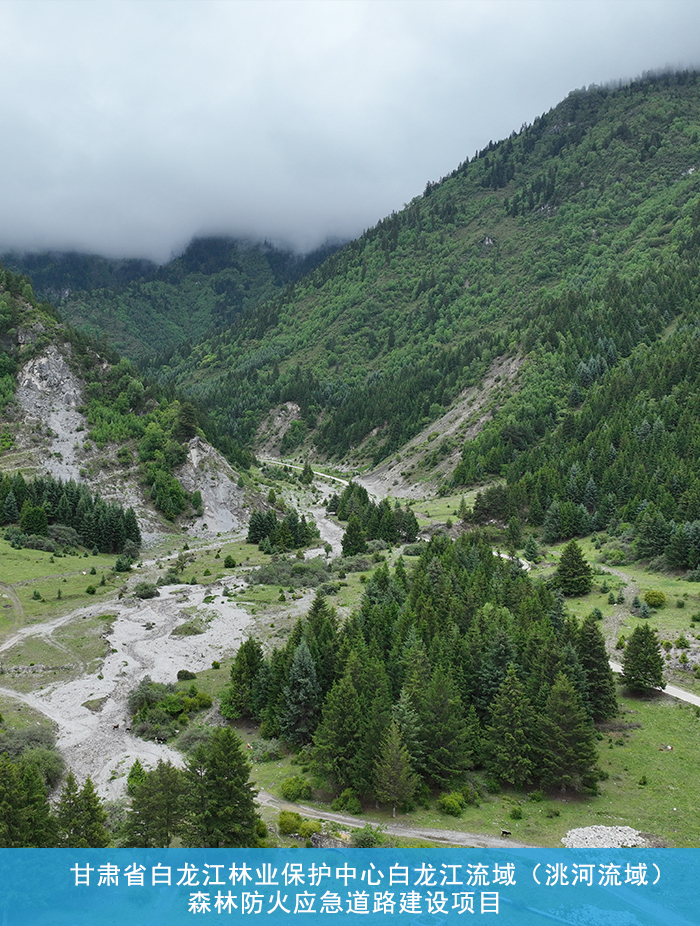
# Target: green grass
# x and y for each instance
(632, 750)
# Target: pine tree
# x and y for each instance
(11, 820)
(237, 700)
(573, 573)
(38, 823)
(137, 774)
(338, 737)
(302, 699)
(93, 818)
(642, 662)
(220, 806)
(353, 541)
(509, 751)
(590, 647)
(567, 754)
(445, 748)
(156, 808)
(81, 817)
(395, 783)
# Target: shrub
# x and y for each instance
(655, 598)
(122, 564)
(369, 837)
(184, 675)
(347, 801)
(295, 788)
(146, 590)
(451, 804)
(229, 562)
(266, 750)
(91, 590)
(288, 822)
(516, 813)
(309, 827)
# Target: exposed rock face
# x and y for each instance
(206, 471)
(604, 837)
(49, 392)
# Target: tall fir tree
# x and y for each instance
(573, 574)
(156, 808)
(642, 663)
(566, 738)
(590, 645)
(219, 797)
(510, 734)
(394, 781)
(302, 699)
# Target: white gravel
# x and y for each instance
(604, 837)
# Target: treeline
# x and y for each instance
(42, 506)
(368, 520)
(278, 536)
(209, 804)
(143, 308)
(466, 664)
(625, 453)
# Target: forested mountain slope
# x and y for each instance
(571, 243)
(142, 308)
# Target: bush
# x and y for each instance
(295, 789)
(451, 804)
(309, 827)
(267, 751)
(369, 837)
(122, 564)
(347, 801)
(146, 590)
(516, 813)
(91, 590)
(229, 562)
(655, 598)
(289, 822)
(184, 675)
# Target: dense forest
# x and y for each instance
(142, 308)
(464, 663)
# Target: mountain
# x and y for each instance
(143, 308)
(500, 323)
(72, 412)
(559, 252)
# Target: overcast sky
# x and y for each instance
(130, 126)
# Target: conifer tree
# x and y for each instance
(447, 754)
(302, 699)
(573, 573)
(642, 663)
(353, 541)
(338, 737)
(38, 823)
(156, 808)
(237, 700)
(395, 783)
(11, 818)
(590, 646)
(509, 751)
(93, 818)
(220, 810)
(567, 754)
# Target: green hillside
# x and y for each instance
(573, 239)
(142, 308)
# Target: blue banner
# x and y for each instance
(138, 887)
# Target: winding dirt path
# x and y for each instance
(449, 837)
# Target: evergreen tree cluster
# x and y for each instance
(628, 454)
(466, 664)
(368, 520)
(209, 804)
(42, 506)
(27, 819)
(274, 536)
